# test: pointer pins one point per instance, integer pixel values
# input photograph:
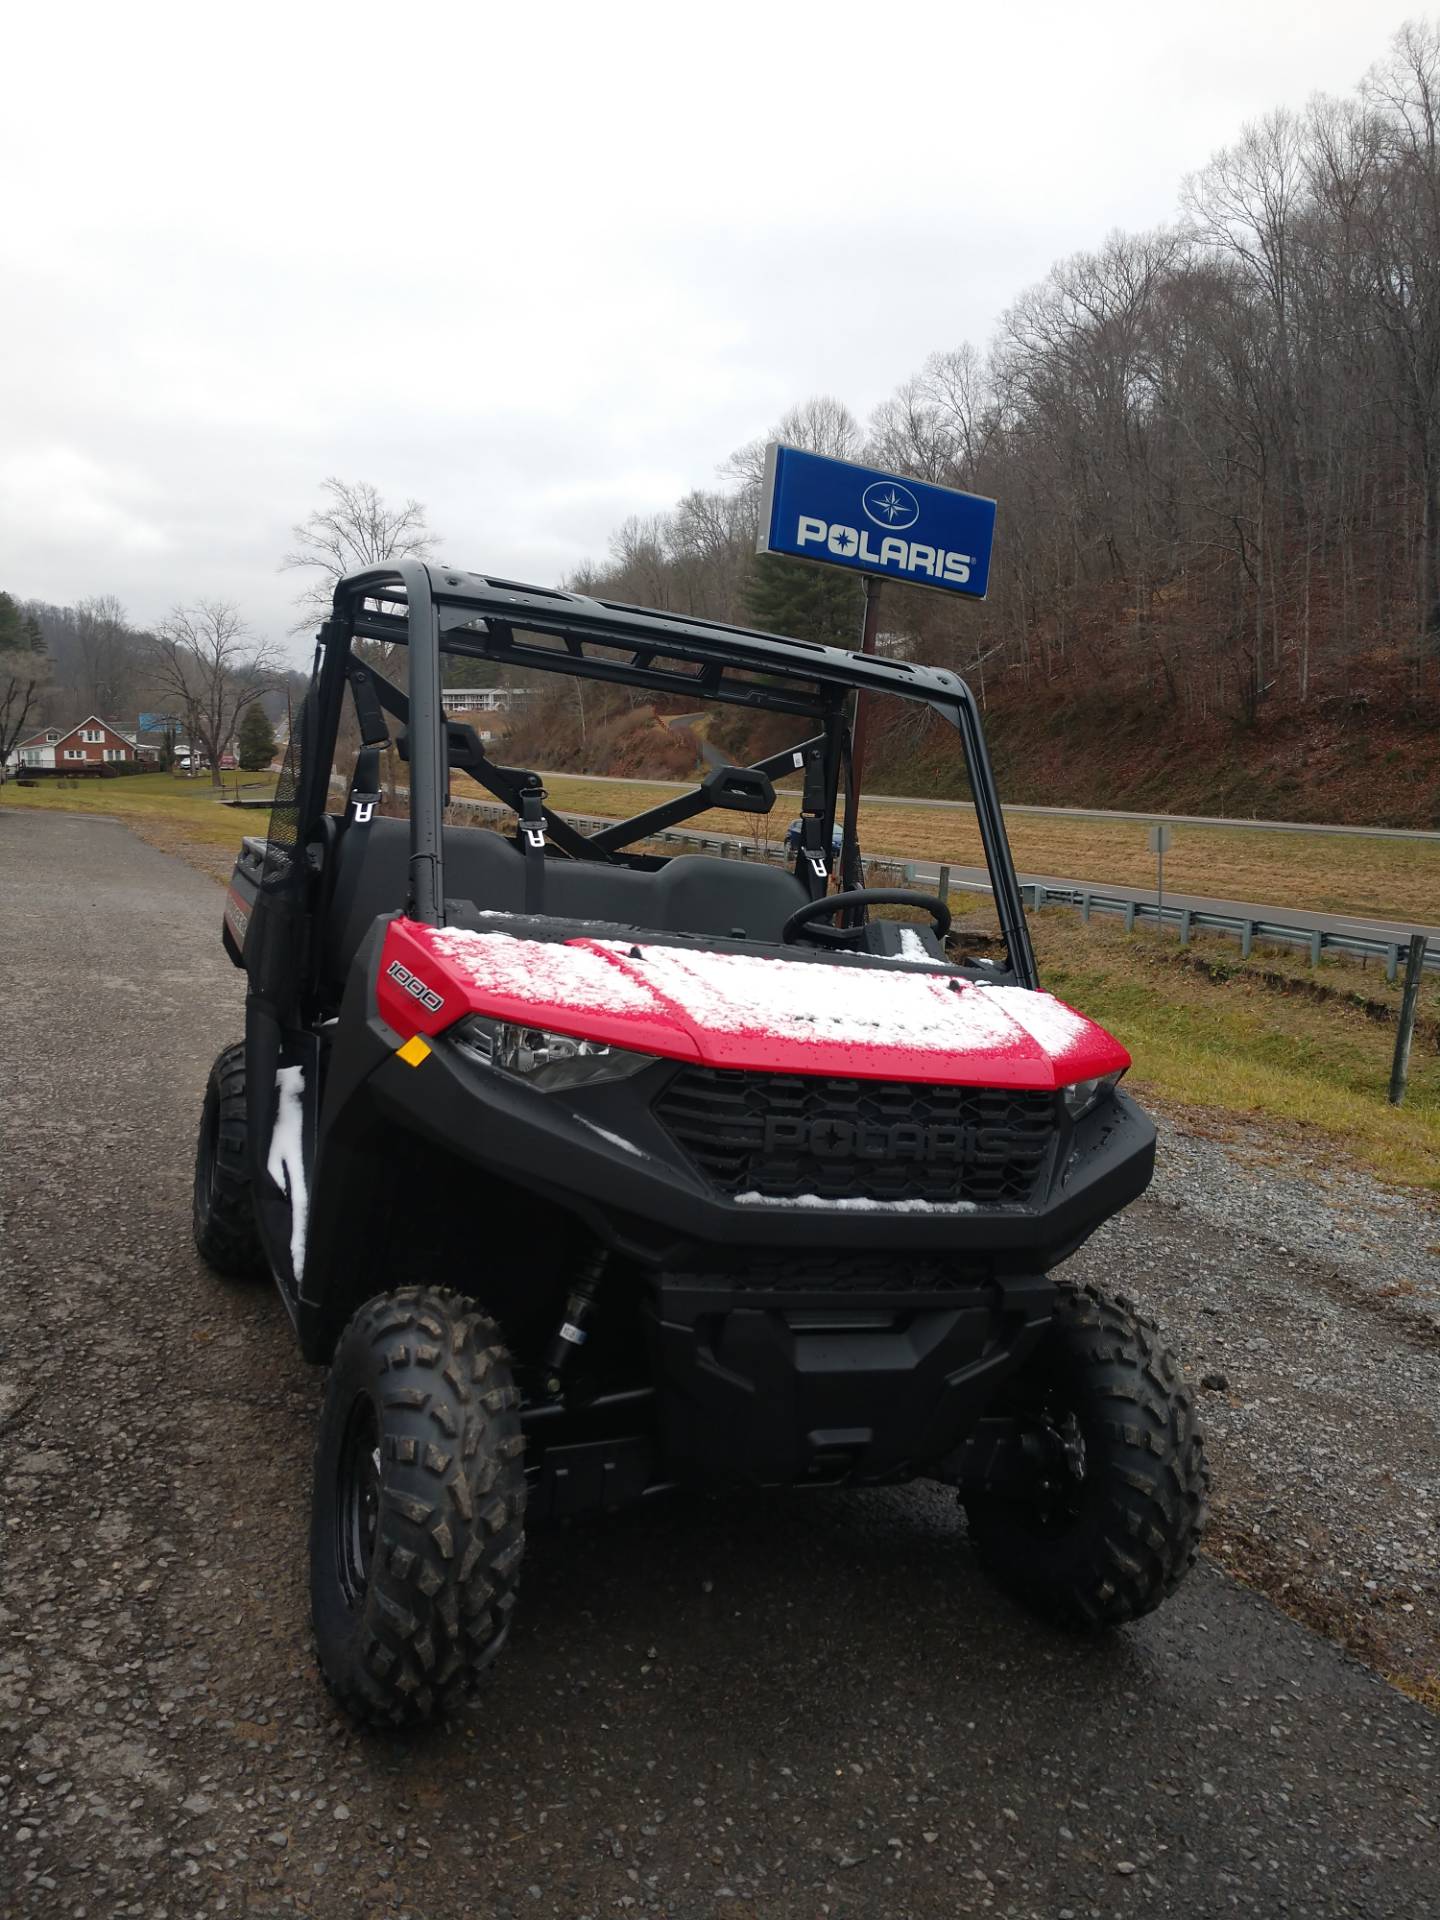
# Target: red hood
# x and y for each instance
(744, 1010)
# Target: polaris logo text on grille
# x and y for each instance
(427, 996)
(904, 1140)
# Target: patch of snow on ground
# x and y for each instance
(286, 1164)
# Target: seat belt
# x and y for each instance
(364, 787)
(813, 864)
(368, 710)
(530, 835)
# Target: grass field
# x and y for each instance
(1314, 1071)
(176, 814)
(1311, 1070)
(1390, 879)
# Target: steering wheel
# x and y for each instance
(800, 923)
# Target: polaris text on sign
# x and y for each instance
(816, 508)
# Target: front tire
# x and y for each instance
(227, 1237)
(417, 1525)
(1119, 1524)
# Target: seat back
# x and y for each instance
(691, 893)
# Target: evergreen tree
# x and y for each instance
(805, 602)
(256, 747)
(12, 627)
(33, 634)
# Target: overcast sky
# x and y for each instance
(539, 267)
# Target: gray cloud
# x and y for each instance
(539, 273)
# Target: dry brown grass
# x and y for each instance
(1389, 879)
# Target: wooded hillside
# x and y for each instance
(1216, 452)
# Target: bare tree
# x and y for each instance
(22, 672)
(206, 664)
(355, 528)
(107, 650)
(1216, 445)
(821, 424)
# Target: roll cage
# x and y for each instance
(433, 610)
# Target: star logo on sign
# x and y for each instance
(891, 505)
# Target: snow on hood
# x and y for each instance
(753, 1010)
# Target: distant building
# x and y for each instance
(36, 749)
(93, 742)
(483, 699)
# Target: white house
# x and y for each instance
(35, 749)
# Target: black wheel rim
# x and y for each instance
(1063, 1487)
(1058, 1484)
(357, 1500)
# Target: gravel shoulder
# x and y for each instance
(765, 1707)
(1306, 1299)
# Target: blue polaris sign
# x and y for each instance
(816, 508)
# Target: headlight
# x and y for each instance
(1085, 1094)
(548, 1061)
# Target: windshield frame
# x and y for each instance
(437, 612)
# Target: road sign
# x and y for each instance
(844, 515)
(1160, 838)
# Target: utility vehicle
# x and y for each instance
(593, 1167)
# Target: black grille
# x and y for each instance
(781, 1135)
(840, 1274)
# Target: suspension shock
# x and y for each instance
(574, 1328)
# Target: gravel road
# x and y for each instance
(760, 1707)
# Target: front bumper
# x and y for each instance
(601, 1153)
(765, 1390)
(787, 1344)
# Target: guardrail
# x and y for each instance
(1191, 920)
(1087, 900)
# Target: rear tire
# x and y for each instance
(226, 1234)
(1122, 1526)
(417, 1528)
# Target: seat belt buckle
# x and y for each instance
(817, 863)
(532, 820)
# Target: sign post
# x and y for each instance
(1405, 1025)
(869, 630)
(882, 526)
(1160, 838)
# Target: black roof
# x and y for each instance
(498, 619)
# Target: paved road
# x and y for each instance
(770, 1708)
(712, 756)
(715, 758)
